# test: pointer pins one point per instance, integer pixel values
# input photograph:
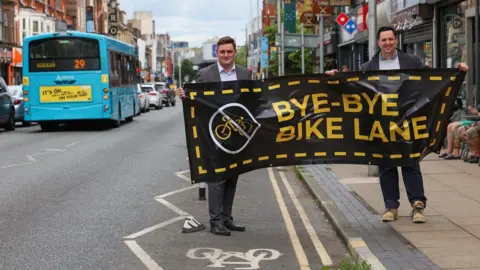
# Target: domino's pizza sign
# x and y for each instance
(346, 23)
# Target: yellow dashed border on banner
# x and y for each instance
(313, 81)
(316, 154)
(394, 78)
(436, 78)
(334, 82)
(293, 83)
(227, 91)
(355, 79)
(449, 89)
(275, 86)
(192, 112)
(414, 78)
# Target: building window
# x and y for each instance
(35, 28)
(5, 27)
(58, 4)
(24, 29)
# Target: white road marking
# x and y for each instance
(297, 246)
(326, 260)
(15, 165)
(186, 178)
(173, 207)
(175, 192)
(71, 144)
(151, 229)
(142, 255)
(29, 157)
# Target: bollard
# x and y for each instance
(201, 192)
(373, 170)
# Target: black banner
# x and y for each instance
(390, 118)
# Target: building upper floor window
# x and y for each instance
(58, 4)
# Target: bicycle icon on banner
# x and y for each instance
(224, 131)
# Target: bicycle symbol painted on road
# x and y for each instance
(232, 127)
(219, 258)
(224, 131)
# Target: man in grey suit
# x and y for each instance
(222, 191)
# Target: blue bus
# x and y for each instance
(75, 76)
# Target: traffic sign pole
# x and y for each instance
(372, 26)
(279, 56)
(321, 56)
(303, 50)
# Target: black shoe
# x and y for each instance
(233, 227)
(219, 229)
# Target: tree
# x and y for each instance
(293, 64)
(187, 69)
(241, 57)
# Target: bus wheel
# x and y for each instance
(116, 123)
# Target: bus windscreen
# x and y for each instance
(64, 54)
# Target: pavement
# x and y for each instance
(450, 239)
(87, 198)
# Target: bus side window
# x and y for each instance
(113, 69)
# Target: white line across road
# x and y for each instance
(151, 229)
(142, 255)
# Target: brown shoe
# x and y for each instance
(417, 212)
(390, 215)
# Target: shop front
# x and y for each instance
(330, 51)
(11, 64)
(414, 25)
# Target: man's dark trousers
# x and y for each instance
(220, 199)
(412, 178)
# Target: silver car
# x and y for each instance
(16, 92)
(144, 98)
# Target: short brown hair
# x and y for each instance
(227, 40)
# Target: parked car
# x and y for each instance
(144, 99)
(7, 109)
(155, 97)
(16, 91)
(169, 93)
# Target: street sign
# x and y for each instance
(340, 2)
(325, 11)
(350, 27)
(113, 30)
(342, 19)
(308, 19)
(295, 40)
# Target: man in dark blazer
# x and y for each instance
(391, 58)
(222, 191)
